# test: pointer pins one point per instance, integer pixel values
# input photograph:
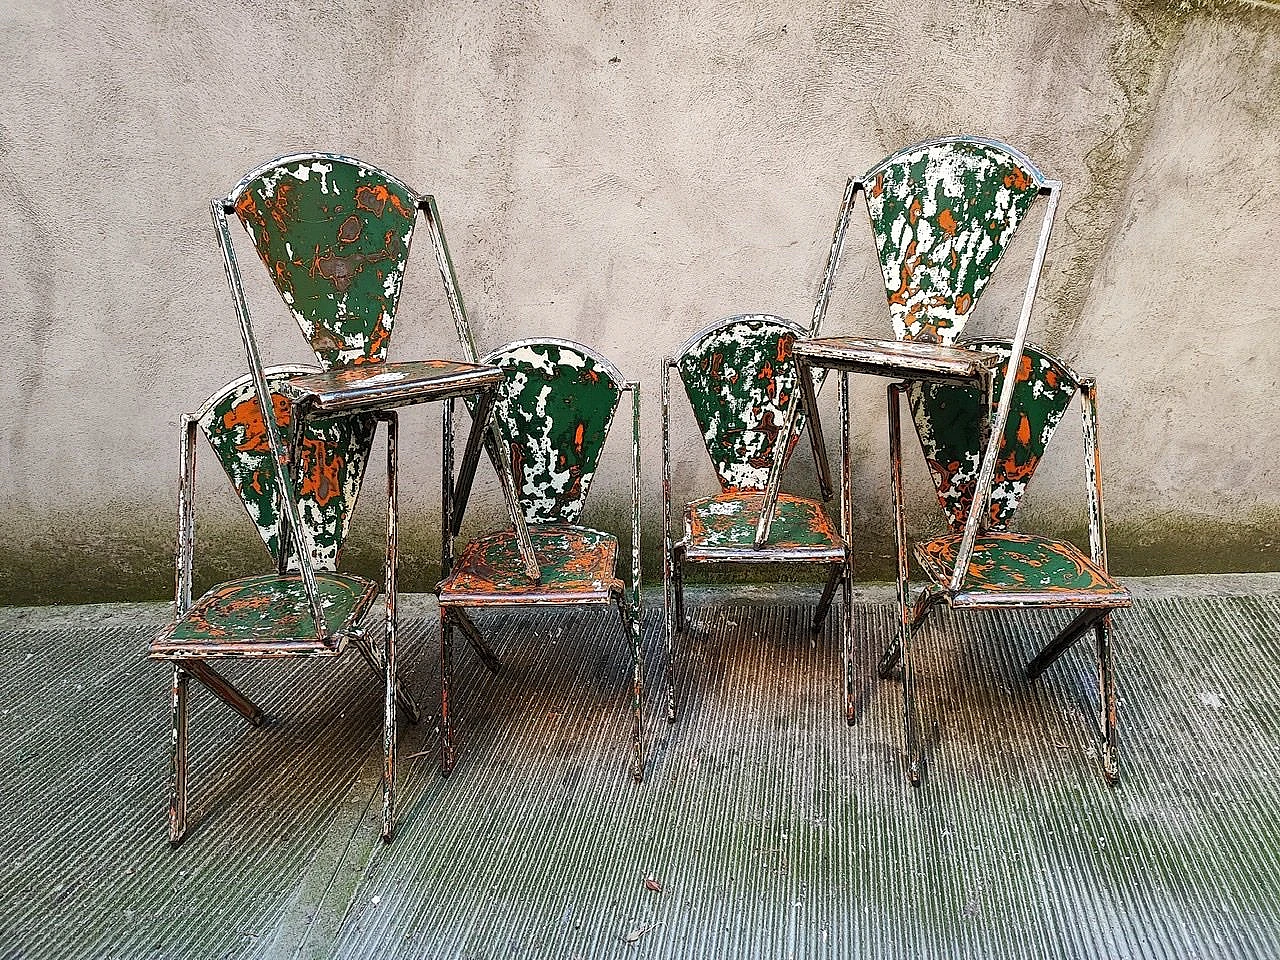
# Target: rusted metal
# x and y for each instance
(846, 531)
(743, 386)
(390, 676)
(899, 360)
(334, 234)
(448, 751)
(904, 631)
(552, 414)
(178, 756)
(668, 574)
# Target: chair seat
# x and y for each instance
(897, 358)
(382, 386)
(267, 616)
(724, 528)
(1014, 569)
(577, 566)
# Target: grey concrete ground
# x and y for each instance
(623, 173)
(772, 827)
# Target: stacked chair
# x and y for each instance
(553, 411)
(334, 236)
(943, 214)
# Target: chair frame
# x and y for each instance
(674, 551)
(454, 614)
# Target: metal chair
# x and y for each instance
(999, 568)
(552, 413)
(739, 376)
(943, 214)
(305, 608)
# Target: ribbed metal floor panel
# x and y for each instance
(774, 829)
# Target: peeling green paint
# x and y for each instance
(947, 419)
(334, 236)
(573, 560)
(1005, 563)
(943, 215)
(335, 452)
(554, 411)
(729, 520)
(739, 377)
(270, 607)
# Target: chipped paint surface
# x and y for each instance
(270, 607)
(554, 410)
(1013, 563)
(334, 236)
(739, 376)
(729, 521)
(335, 452)
(948, 419)
(943, 214)
(576, 562)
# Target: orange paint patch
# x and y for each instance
(947, 223)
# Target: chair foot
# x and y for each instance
(447, 759)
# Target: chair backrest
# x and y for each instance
(739, 376)
(335, 453)
(334, 234)
(553, 412)
(949, 417)
(943, 214)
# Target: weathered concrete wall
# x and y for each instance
(623, 174)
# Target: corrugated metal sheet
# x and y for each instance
(775, 829)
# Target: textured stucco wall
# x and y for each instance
(623, 174)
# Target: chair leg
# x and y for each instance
(893, 653)
(846, 638)
(915, 750)
(631, 624)
(1073, 631)
(403, 697)
(389, 728)
(668, 629)
(447, 755)
(225, 691)
(828, 594)
(677, 577)
(1107, 699)
(459, 617)
(914, 755)
(178, 758)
